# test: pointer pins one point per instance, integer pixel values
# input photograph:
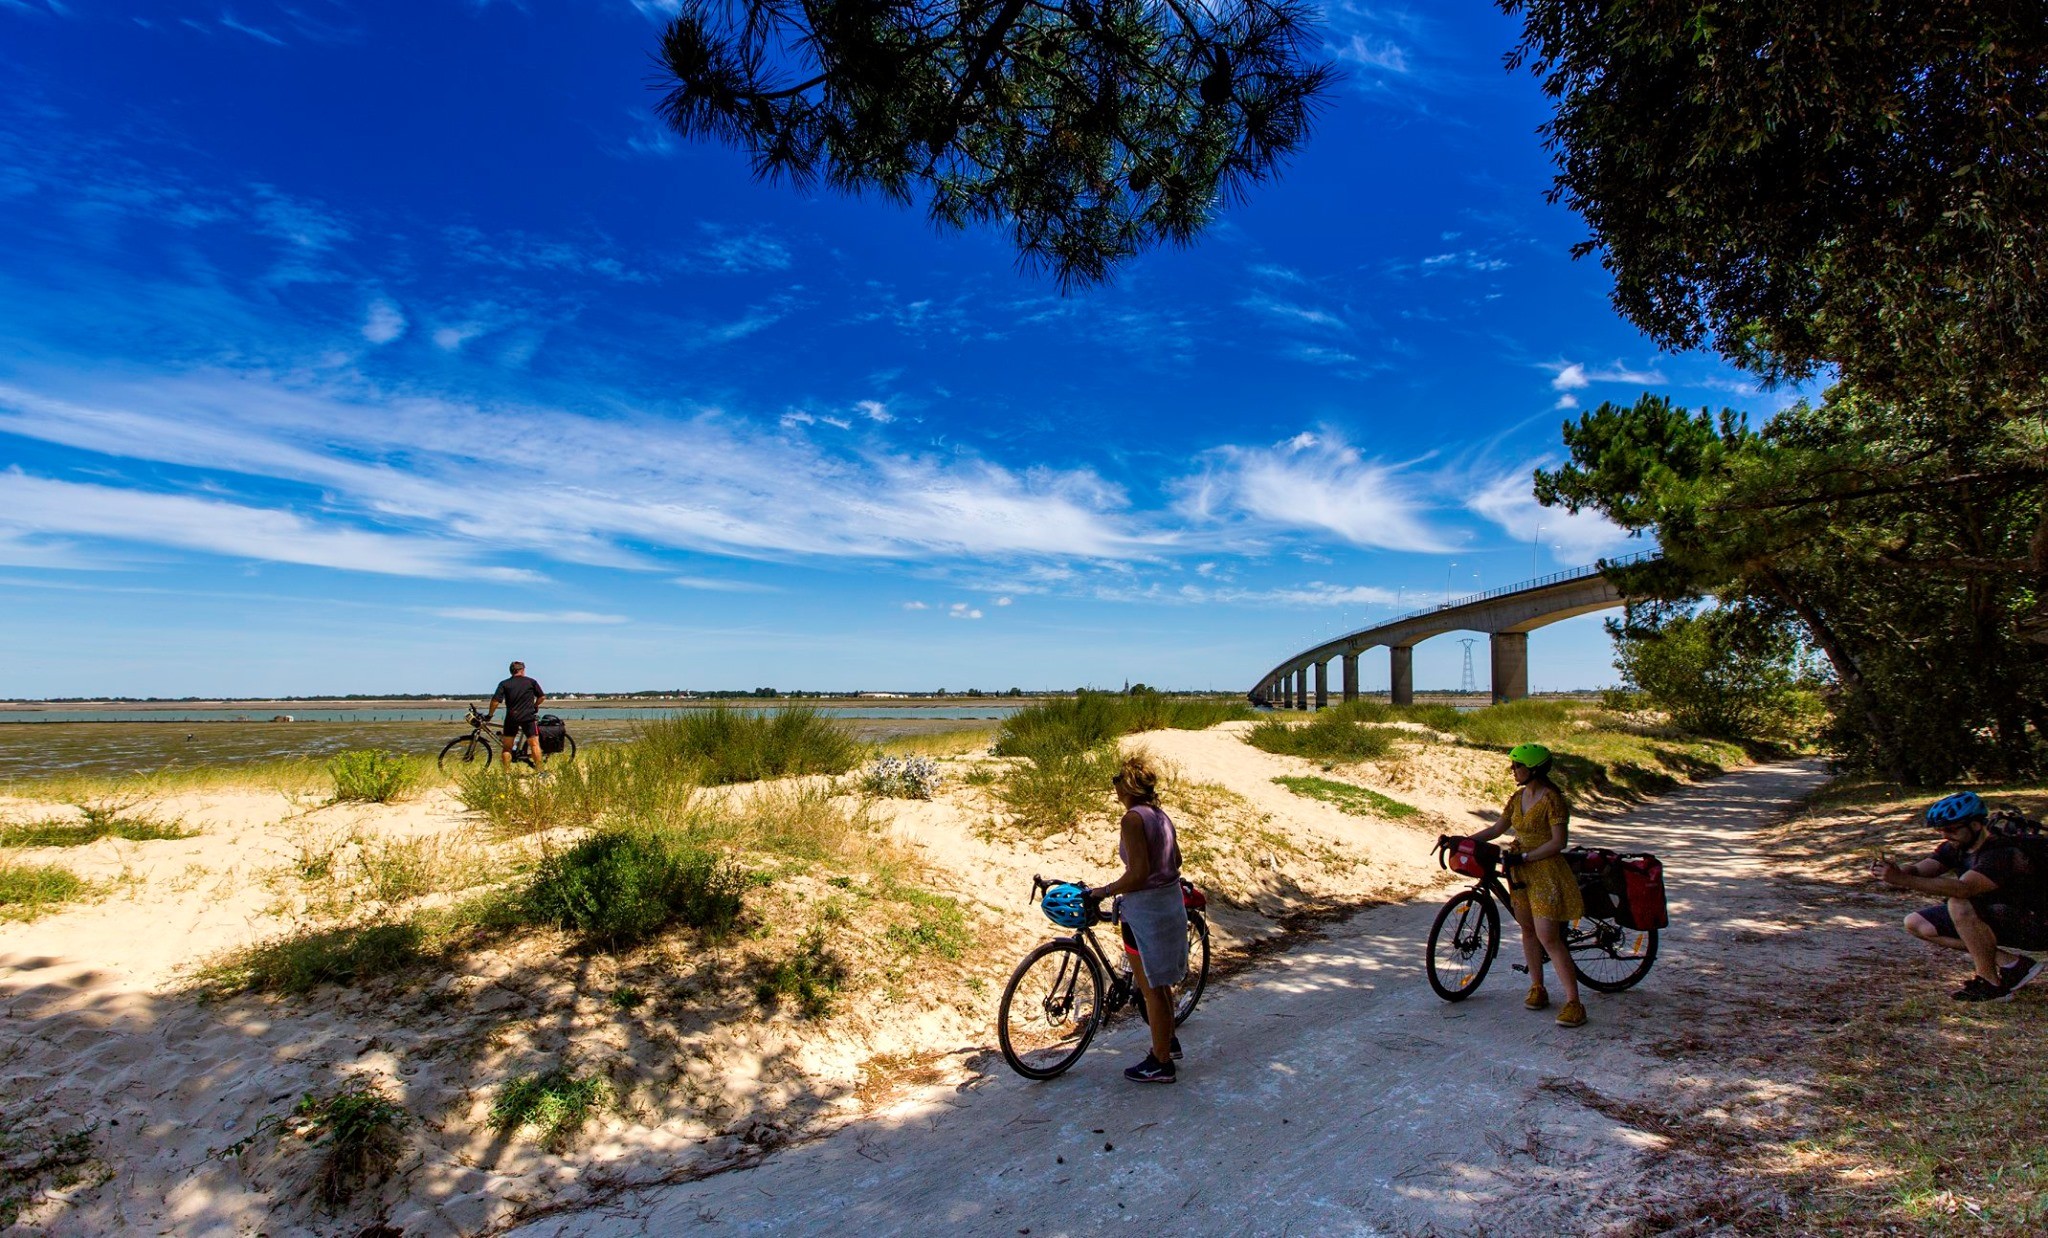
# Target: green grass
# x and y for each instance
(619, 887)
(936, 925)
(34, 1160)
(1056, 790)
(722, 746)
(811, 977)
(947, 743)
(1089, 719)
(372, 776)
(54, 833)
(1330, 736)
(554, 1104)
(303, 961)
(1358, 801)
(31, 890)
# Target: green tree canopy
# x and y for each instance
(1804, 183)
(1092, 128)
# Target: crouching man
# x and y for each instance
(1995, 897)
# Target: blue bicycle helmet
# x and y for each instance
(1066, 905)
(1962, 806)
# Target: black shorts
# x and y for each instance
(513, 726)
(2016, 928)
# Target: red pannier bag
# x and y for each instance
(1638, 884)
(1472, 857)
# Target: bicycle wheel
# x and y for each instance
(1610, 958)
(568, 752)
(1050, 1010)
(1462, 944)
(468, 752)
(1190, 989)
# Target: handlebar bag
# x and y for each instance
(1638, 886)
(1473, 858)
(1191, 897)
(554, 734)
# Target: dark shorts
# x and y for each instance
(513, 726)
(2016, 928)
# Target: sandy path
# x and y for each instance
(1328, 1092)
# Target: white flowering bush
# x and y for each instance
(903, 778)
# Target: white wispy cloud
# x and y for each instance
(42, 507)
(713, 584)
(384, 323)
(740, 252)
(1290, 313)
(875, 410)
(1316, 481)
(528, 617)
(228, 21)
(1508, 500)
(1463, 260)
(614, 488)
(1576, 376)
(915, 606)
(961, 610)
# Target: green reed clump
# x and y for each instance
(1517, 722)
(1329, 736)
(608, 784)
(1088, 719)
(621, 886)
(554, 1103)
(725, 746)
(373, 776)
(31, 890)
(937, 924)
(1055, 789)
(357, 1129)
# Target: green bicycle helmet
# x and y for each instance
(1531, 756)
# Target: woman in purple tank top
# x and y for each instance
(1155, 920)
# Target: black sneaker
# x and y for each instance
(1176, 1041)
(1150, 1071)
(2017, 976)
(1975, 989)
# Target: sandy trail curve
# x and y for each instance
(1329, 1091)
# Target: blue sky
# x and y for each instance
(359, 348)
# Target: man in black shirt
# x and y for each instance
(1997, 898)
(522, 697)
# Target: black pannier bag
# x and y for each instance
(1595, 869)
(554, 734)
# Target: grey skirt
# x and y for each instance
(1157, 923)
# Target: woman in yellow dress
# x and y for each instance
(1544, 890)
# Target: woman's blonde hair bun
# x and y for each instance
(1137, 776)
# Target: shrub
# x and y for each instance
(908, 778)
(298, 963)
(555, 1103)
(811, 976)
(610, 783)
(1717, 672)
(724, 746)
(621, 886)
(358, 1126)
(1330, 736)
(1056, 789)
(369, 775)
(30, 890)
(1515, 722)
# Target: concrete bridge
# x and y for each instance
(1508, 614)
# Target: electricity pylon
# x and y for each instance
(1468, 683)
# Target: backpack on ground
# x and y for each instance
(554, 734)
(2012, 823)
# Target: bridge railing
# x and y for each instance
(1555, 578)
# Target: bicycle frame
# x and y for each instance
(1121, 990)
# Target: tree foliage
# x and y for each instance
(1726, 671)
(1092, 128)
(1809, 183)
(1902, 545)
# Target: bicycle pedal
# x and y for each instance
(1521, 967)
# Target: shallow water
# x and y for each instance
(114, 747)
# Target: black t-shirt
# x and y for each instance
(2019, 870)
(521, 695)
